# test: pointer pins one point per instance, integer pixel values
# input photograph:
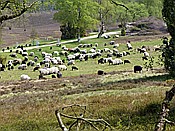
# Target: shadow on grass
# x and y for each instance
(158, 78)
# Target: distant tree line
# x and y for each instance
(77, 16)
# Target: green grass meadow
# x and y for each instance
(128, 101)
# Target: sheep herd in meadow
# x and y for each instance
(53, 63)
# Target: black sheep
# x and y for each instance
(101, 72)
(126, 61)
(137, 69)
(74, 68)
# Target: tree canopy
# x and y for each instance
(89, 14)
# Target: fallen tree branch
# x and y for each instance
(79, 120)
(161, 125)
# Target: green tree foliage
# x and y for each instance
(154, 7)
(168, 13)
(136, 11)
(76, 15)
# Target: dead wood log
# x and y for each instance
(79, 120)
(161, 124)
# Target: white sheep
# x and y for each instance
(25, 77)
(62, 67)
(44, 71)
(116, 61)
(48, 71)
(129, 46)
(146, 54)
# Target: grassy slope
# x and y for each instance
(126, 100)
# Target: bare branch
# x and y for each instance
(79, 120)
(17, 14)
(63, 127)
(117, 4)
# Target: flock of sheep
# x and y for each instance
(52, 64)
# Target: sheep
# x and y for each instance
(71, 62)
(13, 55)
(116, 45)
(59, 74)
(126, 61)
(25, 77)
(112, 42)
(115, 61)
(53, 76)
(96, 44)
(62, 67)
(2, 67)
(137, 68)
(48, 71)
(146, 54)
(55, 53)
(31, 54)
(35, 58)
(17, 61)
(36, 68)
(106, 36)
(101, 61)
(24, 53)
(22, 67)
(144, 58)
(101, 72)
(74, 68)
(31, 63)
(129, 46)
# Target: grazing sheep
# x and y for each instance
(47, 65)
(146, 54)
(62, 67)
(31, 54)
(112, 42)
(13, 55)
(101, 61)
(25, 77)
(129, 46)
(24, 54)
(53, 76)
(144, 58)
(22, 67)
(36, 68)
(137, 69)
(116, 45)
(74, 68)
(126, 61)
(71, 62)
(59, 74)
(115, 61)
(101, 72)
(2, 67)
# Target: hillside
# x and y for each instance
(20, 31)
